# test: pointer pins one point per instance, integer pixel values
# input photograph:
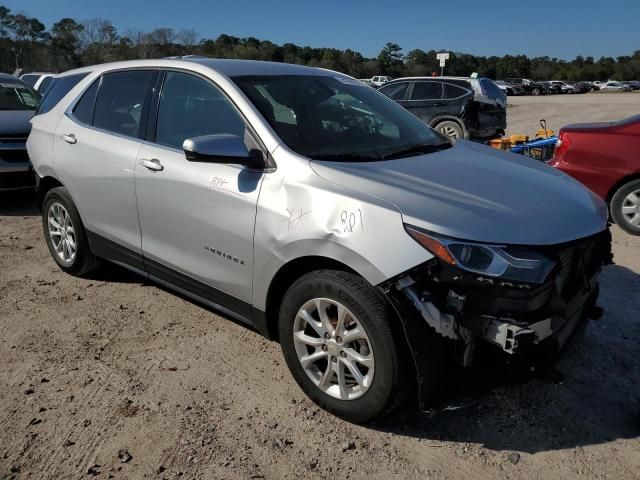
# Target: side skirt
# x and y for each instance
(202, 293)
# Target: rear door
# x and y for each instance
(95, 150)
(426, 100)
(197, 218)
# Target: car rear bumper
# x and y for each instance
(16, 171)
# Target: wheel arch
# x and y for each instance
(619, 184)
(450, 118)
(43, 185)
(285, 277)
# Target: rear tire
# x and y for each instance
(535, 92)
(367, 338)
(625, 207)
(65, 234)
(450, 129)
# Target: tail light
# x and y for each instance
(562, 144)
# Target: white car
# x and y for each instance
(380, 80)
(615, 87)
(39, 81)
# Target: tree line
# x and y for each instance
(25, 43)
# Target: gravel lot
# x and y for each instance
(524, 113)
(118, 378)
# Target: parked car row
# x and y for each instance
(523, 86)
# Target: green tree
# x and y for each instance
(390, 59)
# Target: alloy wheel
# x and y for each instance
(449, 131)
(61, 232)
(333, 348)
(631, 208)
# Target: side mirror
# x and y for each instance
(222, 148)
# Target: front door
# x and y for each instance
(197, 218)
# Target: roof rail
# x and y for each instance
(181, 57)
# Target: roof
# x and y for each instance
(234, 68)
(6, 76)
(38, 73)
(227, 67)
(437, 78)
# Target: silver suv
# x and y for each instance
(321, 213)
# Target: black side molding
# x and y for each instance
(207, 295)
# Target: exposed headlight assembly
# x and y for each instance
(506, 262)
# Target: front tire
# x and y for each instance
(625, 207)
(65, 234)
(338, 338)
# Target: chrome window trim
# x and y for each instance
(444, 99)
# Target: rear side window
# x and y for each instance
(83, 110)
(120, 100)
(191, 107)
(396, 91)
(427, 91)
(17, 96)
(453, 91)
(30, 79)
(58, 89)
(44, 85)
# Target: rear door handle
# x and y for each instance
(153, 164)
(69, 138)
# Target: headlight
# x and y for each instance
(509, 263)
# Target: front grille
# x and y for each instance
(14, 156)
(579, 261)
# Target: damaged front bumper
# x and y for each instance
(521, 320)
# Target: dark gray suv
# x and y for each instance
(18, 102)
(454, 106)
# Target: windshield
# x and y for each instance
(337, 118)
(17, 96)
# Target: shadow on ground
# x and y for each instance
(21, 203)
(598, 401)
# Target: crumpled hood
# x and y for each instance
(478, 193)
(15, 122)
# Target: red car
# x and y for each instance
(606, 158)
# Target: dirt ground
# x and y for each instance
(117, 378)
(524, 113)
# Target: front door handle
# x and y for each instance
(69, 138)
(153, 164)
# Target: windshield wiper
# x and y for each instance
(416, 149)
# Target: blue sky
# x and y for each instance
(557, 28)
